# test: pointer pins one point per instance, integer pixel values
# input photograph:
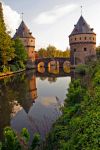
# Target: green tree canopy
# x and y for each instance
(20, 52)
(6, 44)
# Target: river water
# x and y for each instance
(32, 100)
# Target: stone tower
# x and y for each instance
(28, 40)
(82, 42)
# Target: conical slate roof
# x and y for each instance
(23, 31)
(82, 27)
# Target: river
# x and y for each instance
(32, 100)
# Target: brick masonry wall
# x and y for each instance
(82, 46)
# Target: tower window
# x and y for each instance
(80, 38)
(85, 38)
(74, 49)
(93, 38)
(85, 49)
(75, 39)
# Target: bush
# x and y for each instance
(13, 68)
(81, 69)
(5, 68)
(15, 141)
(79, 126)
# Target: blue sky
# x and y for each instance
(51, 21)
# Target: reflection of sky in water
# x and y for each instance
(45, 110)
(58, 88)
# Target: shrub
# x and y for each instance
(81, 69)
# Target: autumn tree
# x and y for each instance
(42, 52)
(51, 51)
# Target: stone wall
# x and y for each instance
(82, 47)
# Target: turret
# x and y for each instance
(82, 42)
(28, 40)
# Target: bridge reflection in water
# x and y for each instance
(53, 70)
(33, 99)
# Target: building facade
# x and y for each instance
(82, 42)
(27, 39)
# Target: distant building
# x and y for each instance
(82, 42)
(28, 40)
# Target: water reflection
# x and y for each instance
(30, 100)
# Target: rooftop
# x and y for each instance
(82, 27)
(23, 31)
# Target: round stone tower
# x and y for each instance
(82, 42)
(28, 40)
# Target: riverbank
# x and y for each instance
(79, 126)
(3, 75)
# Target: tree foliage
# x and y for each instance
(6, 44)
(98, 51)
(12, 53)
(15, 141)
(20, 52)
(79, 126)
(51, 52)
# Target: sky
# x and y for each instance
(51, 21)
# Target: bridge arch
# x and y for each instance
(47, 62)
(53, 63)
(66, 63)
(40, 64)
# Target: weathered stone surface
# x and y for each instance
(82, 42)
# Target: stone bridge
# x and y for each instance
(46, 62)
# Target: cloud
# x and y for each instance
(49, 17)
(12, 18)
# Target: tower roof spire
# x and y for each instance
(23, 31)
(81, 10)
(82, 27)
(22, 16)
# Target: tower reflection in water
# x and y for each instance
(31, 102)
(38, 111)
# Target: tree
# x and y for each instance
(42, 52)
(98, 51)
(20, 52)
(6, 44)
(51, 51)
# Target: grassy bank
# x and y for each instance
(79, 126)
(10, 73)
